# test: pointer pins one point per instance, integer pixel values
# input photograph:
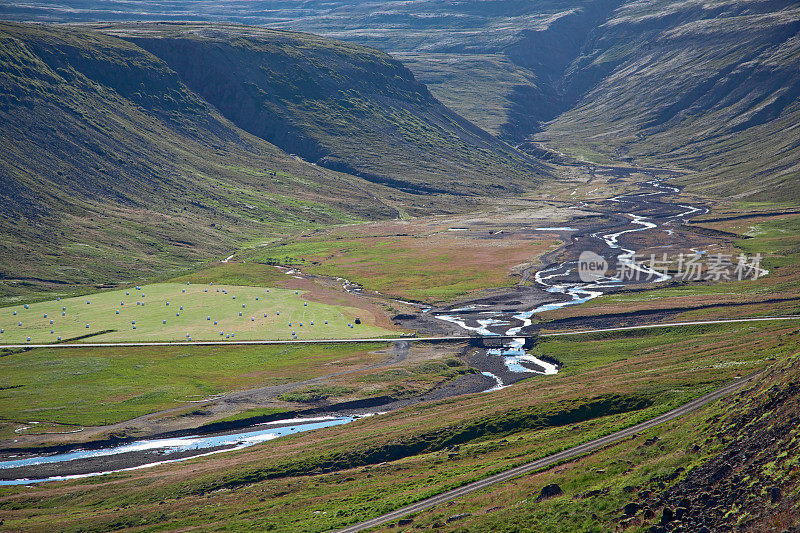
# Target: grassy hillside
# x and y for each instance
(323, 480)
(479, 87)
(112, 168)
(456, 48)
(711, 88)
(728, 467)
(708, 87)
(338, 105)
(118, 166)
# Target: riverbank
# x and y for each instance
(508, 311)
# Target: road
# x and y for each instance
(551, 459)
(461, 338)
(672, 324)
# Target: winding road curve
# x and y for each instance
(550, 460)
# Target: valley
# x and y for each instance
(461, 266)
(235, 420)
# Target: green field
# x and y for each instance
(93, 386)
(171, 311)
(322, 480)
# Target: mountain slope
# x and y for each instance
(714, 88)
(711, 87)
(112, 168)
(139, 149)
(341, 106)
(456, 48)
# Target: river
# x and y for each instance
(563, 279)
(153, 452)
(559, 279)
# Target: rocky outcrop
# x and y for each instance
(751, 484)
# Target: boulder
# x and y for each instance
(631, 509)
(549, 491)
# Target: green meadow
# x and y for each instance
(323, 480)
(93, 386)
(180, 312)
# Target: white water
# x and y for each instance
(513, 364)
(480, 329)
(627, 258)
(689, 210)
(498, 382)
(235, 441)
(552, 280)
(514, 354)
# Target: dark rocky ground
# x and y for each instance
(751, 484)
